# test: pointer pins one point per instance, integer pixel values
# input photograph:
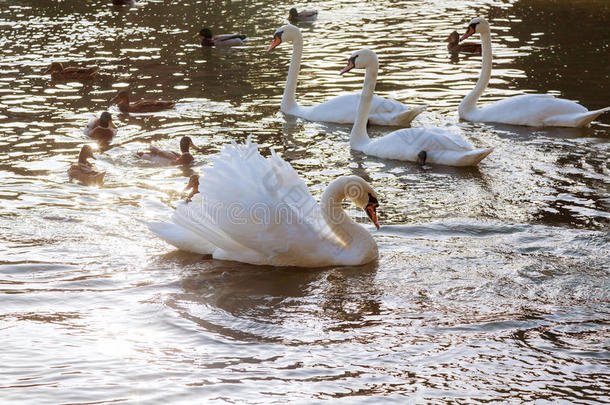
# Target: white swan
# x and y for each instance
(413, 144)
(341, 109)
(258, 210)
(537, 110)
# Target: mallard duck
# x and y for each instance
(164, 157)
(304, 15)
(101, 128)
(219, 40)
(454, 46)
(58, 72)
(194, 184)
(84, 171)
(122, 99)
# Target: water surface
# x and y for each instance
(492, 282)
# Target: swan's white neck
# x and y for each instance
(358, 138)
(289, 99)
(355, 238)
(469, 103)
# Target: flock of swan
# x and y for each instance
(248, 208)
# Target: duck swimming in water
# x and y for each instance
(58, 72)
(454, 46)
(101, 128)
(301, 16)
(194, 184)
(163, 157)
(219, 40)
(84, 171)
(122, 100)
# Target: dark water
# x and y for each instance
(492, 283)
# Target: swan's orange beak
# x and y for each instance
(350, 66)
(468, 33)
(276, 41)
(371, 211)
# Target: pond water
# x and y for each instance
(492, 282)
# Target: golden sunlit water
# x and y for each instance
(492, 282)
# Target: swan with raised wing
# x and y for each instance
(341, 109)
(536, 110)
(420, 145)
(258, 210)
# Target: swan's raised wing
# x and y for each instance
(256, 209)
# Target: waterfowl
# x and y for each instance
(302, 16)
(122, 99)
(58, 72)
(83, 171)
(340, 109)
(454, 46)
(536, 110)
(163, 157)
(248, 216)
(219, 40)
(194, 185)
(420, 145)
(101, 128)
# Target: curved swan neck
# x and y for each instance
(469, 102)
(358, 138)
(289, 99)
(345, 229)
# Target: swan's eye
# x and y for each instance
(372, 201)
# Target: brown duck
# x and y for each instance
(122, 99)
(194, 184)
(454, 46)
(83, 171)
(102, 128)
(165, 157)
(58, 72)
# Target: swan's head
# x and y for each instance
(360, 60)
(478, 25)
(286, 33)
(363, 195)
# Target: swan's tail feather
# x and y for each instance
(575, 120)
(404, 118)
(473, 157)
(181, 238)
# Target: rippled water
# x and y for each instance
(492, 283)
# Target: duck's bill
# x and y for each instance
(468, 33)
(47, 71)
(196, 35)
(350, 66)
(371, 211)
(112, 124)
(115, 99)
(448, 39)
(276, 41)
